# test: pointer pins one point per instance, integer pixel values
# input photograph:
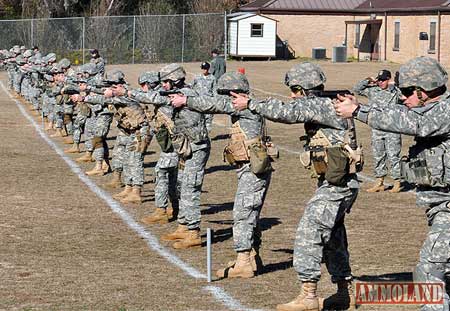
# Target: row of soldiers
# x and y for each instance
(178, 121)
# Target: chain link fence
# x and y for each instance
(121, 39)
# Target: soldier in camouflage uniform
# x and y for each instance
(85, 76)
(385, 145)
(166, 169)
(134, 135)
(422, 82)
(97, 125)
(218, 64)
(246, 133)
(189, 138)
(205, 85)
(97, 112)
(63, 107)
(119, 154)
(321, 234)
(98, 61)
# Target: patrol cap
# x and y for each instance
(423, 72)
(205, 65)
(384, 75)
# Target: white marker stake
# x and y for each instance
(209, 234)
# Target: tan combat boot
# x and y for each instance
(192, 239)
(242, 268)
(47, 124)
(179, 234)
(74, 149)
(397, 187)
(159, 216)
(97, 170)
(68, 140)
(306, 301)
(123, 193)
(116, 181)
(134, 196)
(105, 167)
(58, 133)
(86, 157)
(378, 186)
(344, 298)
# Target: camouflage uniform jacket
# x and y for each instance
(99, 63)
(313, 110)
(204, 85)
(141, 97)
(188, 122)
(431, 127)
(250, 123)
(98, 103)
(218, 67)
(376, 95)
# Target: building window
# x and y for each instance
(432, 47)
(357, 35)
(256, 30)
(397, 36)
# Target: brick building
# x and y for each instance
(386, 30)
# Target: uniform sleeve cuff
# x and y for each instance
(363, 113)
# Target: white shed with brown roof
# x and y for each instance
(252, 35)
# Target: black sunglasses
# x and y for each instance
(296, 88)
(408, 91)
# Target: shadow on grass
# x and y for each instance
(221, 235)
(217, 208)
(220, 137)
(398, 277)
(212, 169)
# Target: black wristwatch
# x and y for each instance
(355, 112)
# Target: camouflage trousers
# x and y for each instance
(51, 102)
(78, 127)
(97, 128)
(386, 147)
(10, 72)
(35, 97)
(434, 260)
(25, 87)
(17, 81)
(208, 121)
(166, 171)
(119, 152)
(191, 188)
(58, 112)
(68, 117)
(248, 202)
(321, 233)
(133, 168)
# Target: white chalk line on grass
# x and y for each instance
(218, 293)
